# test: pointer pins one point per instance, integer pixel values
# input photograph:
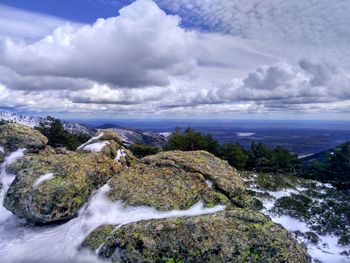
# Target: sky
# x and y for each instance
(176, 58)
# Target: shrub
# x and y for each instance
(58, 137)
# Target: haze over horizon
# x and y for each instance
(176, 59)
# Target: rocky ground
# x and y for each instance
(100, 202)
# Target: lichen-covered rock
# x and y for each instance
(177, 180)
(52, 185)
(215, 170)
(110, 135)
(236, 235)
(108, 143)
(14, 136)
(164, 188)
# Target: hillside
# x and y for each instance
(169, 207)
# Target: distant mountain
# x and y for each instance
(131, 136)
(35, 121)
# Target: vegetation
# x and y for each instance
(58, 137)
(333, 168)
(191, 140)
(257, 158)
(142, 150)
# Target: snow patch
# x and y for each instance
(120, 153)
(209, 183)
(42, 179)
(96, 147)
(59, 243)
(2, 150)
(93, 139)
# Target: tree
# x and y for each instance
(142, 150)
(57, 136)
(235, 155)
(191, 140)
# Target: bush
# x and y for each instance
(333, 168)
(142, 150)
(58, 137)
(191, 140)
(258, 158)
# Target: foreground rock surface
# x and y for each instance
(177, 180)
(15, 136)
(235, 235)
(52, 185)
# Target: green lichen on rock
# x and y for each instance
(111, 147)
(74, 177)
(177, 180)
(164, 188)
(14, 136)
(235, 235)
(219, 172)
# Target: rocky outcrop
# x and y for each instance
(177, 180)
(15, 136)
(236, 235)
(109, 143)
(52, 185)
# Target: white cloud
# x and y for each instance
(144, 62)
(24, 25)
(143, 46)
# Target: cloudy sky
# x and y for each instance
(176, 58)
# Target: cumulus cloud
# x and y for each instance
(142, 46)
(144, 62)
(304, 28)
(284, 81)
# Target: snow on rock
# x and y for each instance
(92, 140)
(209, 183)
(18, 241)
(120, 153)
(2, 150)
(42, 179)
(96, 147)
(5, 182)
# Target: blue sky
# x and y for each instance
(176, 58)
(83, 11)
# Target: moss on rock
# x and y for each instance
(217, 171)
(164, 188)
(177, 180)
(74, 177)
(14, 136)
(236, 235)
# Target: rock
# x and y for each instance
(177, 180)
(236, 235)
(14, 136)
(164, 188)
(52, 185)
(109, 143)
(216, 171)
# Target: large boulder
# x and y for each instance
(236, 235)
(52, 185)
(177, 180)
(14, 136)
(216, 171)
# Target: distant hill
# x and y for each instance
(129, 136)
